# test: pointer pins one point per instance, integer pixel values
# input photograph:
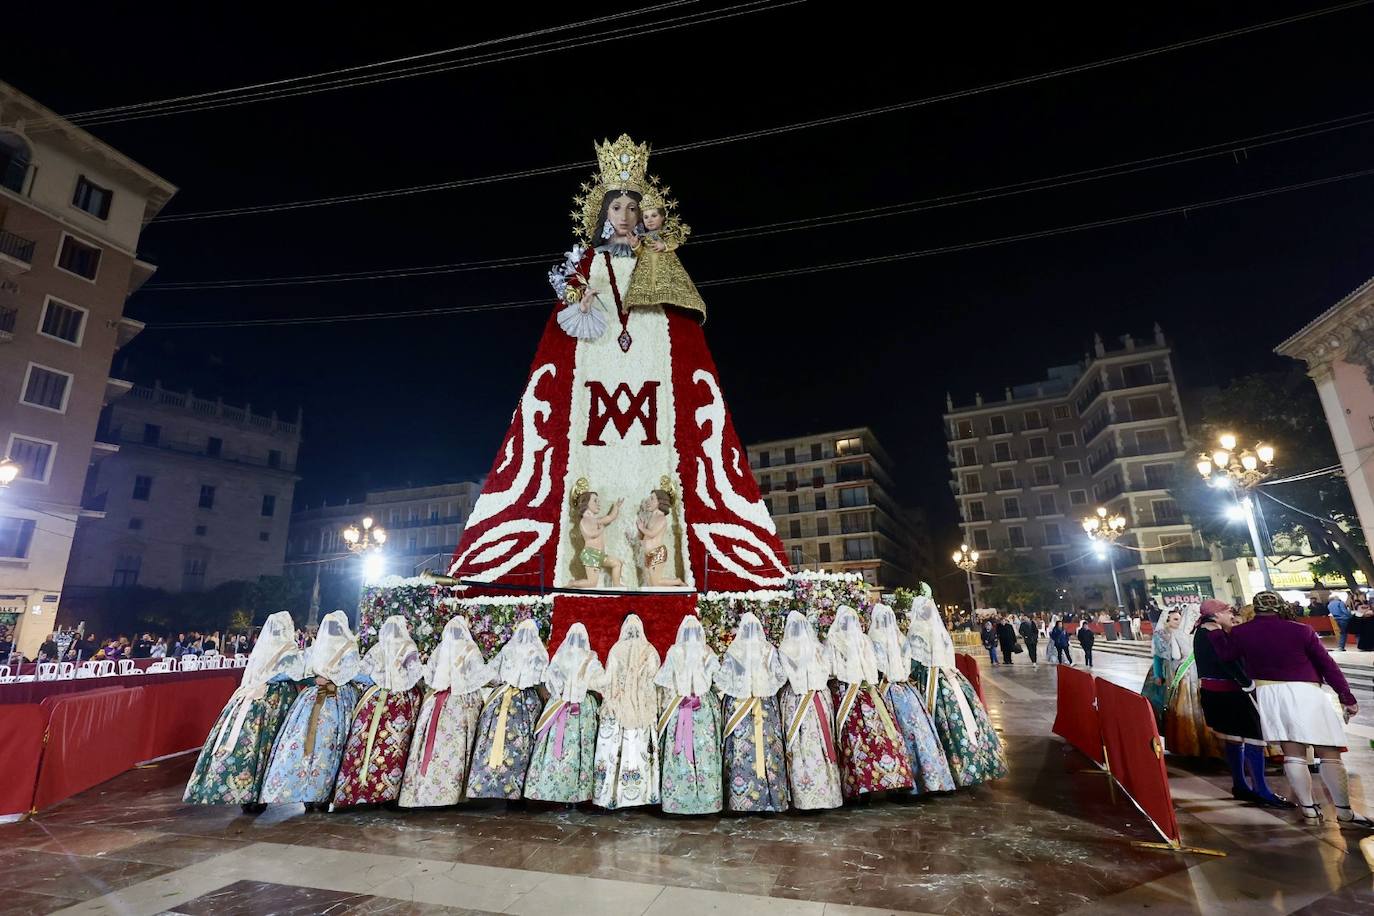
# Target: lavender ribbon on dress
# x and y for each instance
(684, 738)
(559, 724)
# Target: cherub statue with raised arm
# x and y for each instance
(653, 522)
(591, 525)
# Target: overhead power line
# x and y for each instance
(814, 222)
(796, 271)
(563, 43)
(769, 131)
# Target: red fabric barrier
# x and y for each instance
(968, 667)
(1076, 718)
(21, 746)
(1135, 752)
(602, 614)
(36, 691)
(92, 737)
(178, 716)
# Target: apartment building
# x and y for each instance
(423, 526)
(1108, 431)
(198, 493)
(831, 496)
(71, 212)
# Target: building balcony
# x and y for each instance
(16, 252)
(8, 315)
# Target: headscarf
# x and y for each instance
(394, 662)
(456, 664)
(851, 652)
(804, 659)
(573, 668)
(894, 663)
(689, 665)
(276, 653)
(629, 680)
(927, 640)
(1267, 602)
(751, 667)
(522, 660)
(334, 653)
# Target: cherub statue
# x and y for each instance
(591, 525)
(653, 522)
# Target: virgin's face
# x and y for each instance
(624, 215)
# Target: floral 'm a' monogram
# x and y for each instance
(642, 407)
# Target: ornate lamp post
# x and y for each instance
(1240, 473)
(366, 543)
(967, 560)
(9, 470)
(1104, 528)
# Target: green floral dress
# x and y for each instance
(228, 774)
(973, 758)
(567, 778)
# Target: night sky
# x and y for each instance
(424, 399)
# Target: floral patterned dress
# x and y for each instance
(872, 754)
(378, 743)
(310, 745)
(973, 757)
(691, 782)
(755, 772)
(929, 767)
(562, 767)
(626, 765)
(440, 751)
(231, 772)
(505, 743)
(813, 771)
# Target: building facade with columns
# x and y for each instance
(72, 210)
(1108, 431)
(1338, 349)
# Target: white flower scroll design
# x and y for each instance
(518, 539)
(737, 548)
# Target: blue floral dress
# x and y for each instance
(505, 743)
(310, 745)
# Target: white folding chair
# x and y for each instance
(169, 664)
(190, 663)
(66, 671)
(47, 671)
(104, 669)
(5, 676)
(240, 661)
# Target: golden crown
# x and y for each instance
(621, 166)
(579, 488)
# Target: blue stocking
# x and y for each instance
(1236, 761)
(1254, 757)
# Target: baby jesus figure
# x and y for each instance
(593, 525)
(659, 278)
(652, 522)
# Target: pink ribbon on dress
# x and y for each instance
(684, 738)
(559, 723)
(432, 732)
(825, 727)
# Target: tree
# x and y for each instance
(1282, 409)
(1019, 585)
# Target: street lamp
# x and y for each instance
(1104, 528)
(967, 560)
(1241, 472)
(367, 543)
(9, 470)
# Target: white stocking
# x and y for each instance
(1299, 779)
(1337, 781)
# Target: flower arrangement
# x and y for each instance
(428, 607)
(817, 595)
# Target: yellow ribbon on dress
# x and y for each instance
(846, 704)
(549, 713)
(381, 694)
(795, 725)
(330, 689)
(754, 705)
(882, 713)
(498, 744)
(668, 713)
